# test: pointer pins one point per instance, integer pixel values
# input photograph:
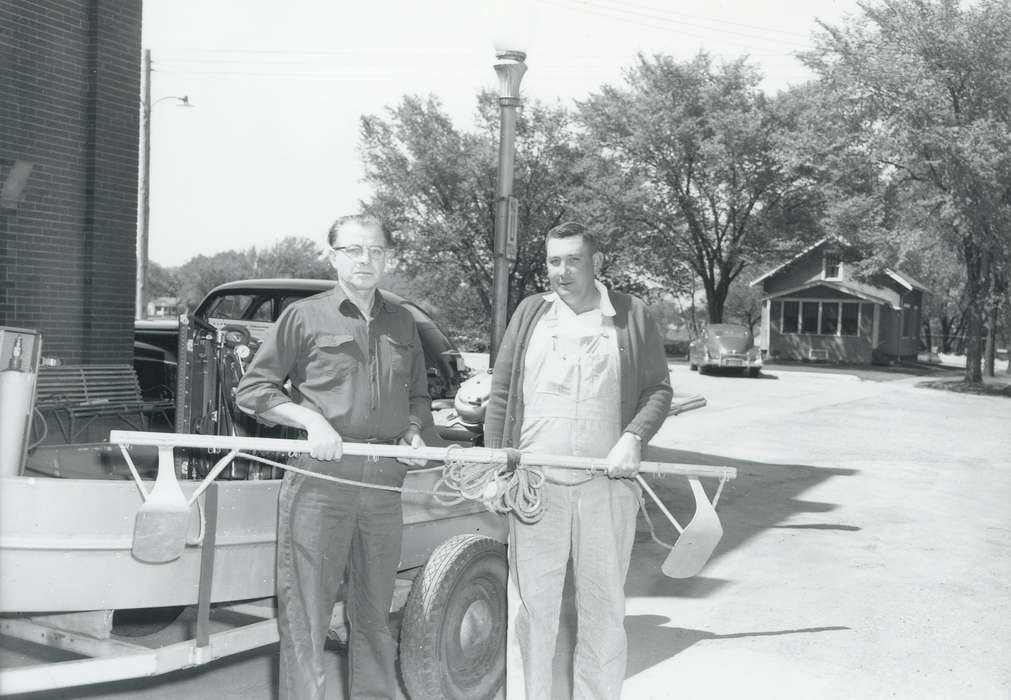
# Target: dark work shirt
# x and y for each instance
(367, 377)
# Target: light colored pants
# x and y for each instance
(593, 522)
(322, 528)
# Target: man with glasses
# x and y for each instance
(357, 372)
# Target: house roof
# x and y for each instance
(770, 273)
(906, 281)
(839, 287)
(901, 278)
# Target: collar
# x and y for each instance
(606, 307)
(379, 304)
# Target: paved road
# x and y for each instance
(866, 551)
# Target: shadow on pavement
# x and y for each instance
(650, 642)
(763, 496)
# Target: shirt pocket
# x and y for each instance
(397, 356)
(335, 356)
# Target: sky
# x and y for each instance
(270, 147)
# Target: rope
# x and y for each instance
(503, 488)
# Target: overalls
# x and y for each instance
(572, 407)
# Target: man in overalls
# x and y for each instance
(581, 371)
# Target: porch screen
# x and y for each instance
(829, 318)
(850, 319)
(791, 316)
(809, 317)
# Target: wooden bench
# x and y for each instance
(76, 395)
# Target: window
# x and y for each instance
(791, 316)
(850, 319)
(809, 317)
(831, 266)
(776, 316)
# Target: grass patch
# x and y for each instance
(962, 387)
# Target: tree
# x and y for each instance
(293, 256)
(744, 304)
(436, 183)
(290, 257)
(922, 90)
(694, 169)
(161, 281)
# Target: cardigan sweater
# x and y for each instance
(645, 383)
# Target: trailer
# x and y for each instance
(65, 553)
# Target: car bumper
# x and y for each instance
(733, 362)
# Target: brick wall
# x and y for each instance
(69, 105)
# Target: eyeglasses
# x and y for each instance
(355, 251)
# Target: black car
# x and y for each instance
(254, 305)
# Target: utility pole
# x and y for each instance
(145, 189)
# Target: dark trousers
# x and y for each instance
(322, 528)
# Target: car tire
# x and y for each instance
(452, 642)
(703, 369)
(692, 366)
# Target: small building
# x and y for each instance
(162, 307)
(813, 308)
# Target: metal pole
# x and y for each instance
(500, 293)
(145, 190)
(510, 72)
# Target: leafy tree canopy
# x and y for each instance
(697, 171)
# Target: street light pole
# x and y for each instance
(510, 70)
(145, 179)
(140, 291)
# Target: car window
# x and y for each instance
(260, 310)
(230, 306)
(286, 300)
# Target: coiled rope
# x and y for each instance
(503, 486)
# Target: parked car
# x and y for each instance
(725, 345)
(254, 305)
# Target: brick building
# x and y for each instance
(69, 122)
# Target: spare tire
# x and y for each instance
(453, 636)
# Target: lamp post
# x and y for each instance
(145, 183)
(510, 70)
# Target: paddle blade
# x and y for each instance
(159, 530)
(159, 533)
(698, 541)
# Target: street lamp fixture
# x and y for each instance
(510, 70)
(140, 291)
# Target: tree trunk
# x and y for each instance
(946, 324)
(973, 356)
(990, 353)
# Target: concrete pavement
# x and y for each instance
(866, 550)
(866, 553)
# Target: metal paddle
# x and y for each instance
(160, 529)
(161, 525)
(697, 540)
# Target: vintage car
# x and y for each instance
(725, 346)
(254, 305)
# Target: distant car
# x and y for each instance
(725, 345)
(254, 305)
(155, 347)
